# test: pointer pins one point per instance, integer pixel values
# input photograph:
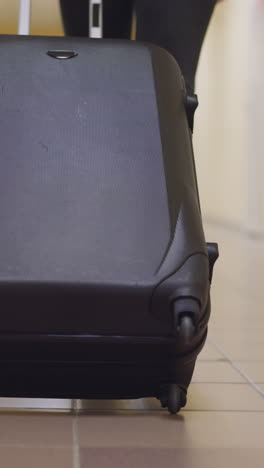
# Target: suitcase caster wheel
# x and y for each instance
(187, 329)
(176, 399)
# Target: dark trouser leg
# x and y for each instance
(75, 14)
(117, 17)
(178, 26)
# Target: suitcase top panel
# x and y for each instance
(83, 193)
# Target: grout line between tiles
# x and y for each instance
(76, 448)
(251, 360)
(238, 369)
(74, 405)
(211, 360)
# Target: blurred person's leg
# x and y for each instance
(75, 14)
(178, 26)
(117, 18)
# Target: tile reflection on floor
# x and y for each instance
(36, 404)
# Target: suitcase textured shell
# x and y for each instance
(101, 231)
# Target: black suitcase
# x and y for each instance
(104, 270)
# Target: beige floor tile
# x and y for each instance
(168, 458)
(216, 372)
(187, 430)
(248, 348)
(235, 314)
(142, 404)
(253, 369)
(18, 457)
(240, 333)
(235, 324)
(229, 300)
(36, 430)
(224, 397)
(209, 353)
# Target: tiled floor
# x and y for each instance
(223, 422)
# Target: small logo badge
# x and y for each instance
(62, 54)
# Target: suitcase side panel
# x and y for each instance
(187, 249)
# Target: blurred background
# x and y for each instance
(229, 125)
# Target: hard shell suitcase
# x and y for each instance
(104, 270)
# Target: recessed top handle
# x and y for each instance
(62, 54)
